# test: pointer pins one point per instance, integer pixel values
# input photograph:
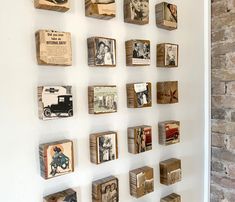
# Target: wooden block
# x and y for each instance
(170, 171)
(138, 52)
(55, 102)
(102, 99)
(167, 92)
(103, 147)
(68, 195)
(56, 158)
(55, 5)
(101, 9)
(171, 198)
(101, 52)
(53, 48)
(106, 189)
(139, 139)
(169, 132)
(166, 16)
(136, 11)
(139, 95)
(141, 181)
(167, 55)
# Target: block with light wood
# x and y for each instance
(171, 198)
(68, 195)
(55, 5)
(167, 55)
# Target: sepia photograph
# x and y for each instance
(143, 139)
(68, 195)
(58, 1)
(171, 55)
(170, 12)
(142, 93)
(139, 10)
(110, 191)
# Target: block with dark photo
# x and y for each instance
(56, 158)
(101, 52)
(55, 102)
(136, 11)
(102, 99)
(55, 5)
(68, 195)
(169, 132)
(167, 92)
(139, 139)
(105, 190)
(139, 95)
(171, 198)
(103, 147)
(101, 9)
(170, 171)
(137, 52)
(141, 181)
(167, 55)
(166, 16)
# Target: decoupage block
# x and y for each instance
(55, 5)
(68, 195)
(167, 92)
(171, 198)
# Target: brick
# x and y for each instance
(223, 101)
(218, 36)
(217, 194)
(218, 114)
(230, 196)
(233, 116)
(223, 48)
(230, 88)
(218, 61)
(231, 143)
(230, 57)
(223, 74)
(218, 140)
(231, 170)
(218, 88)
(221, 22)
(218, 126)
(223, 181)
(218, 166)
(223, 154)
(230, 128)
(218, 8)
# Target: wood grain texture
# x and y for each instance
(167, 92)
(54, 5)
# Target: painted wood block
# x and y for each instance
(139, 95)
(53, 48)
(141, 181)
(171, 198)
(166, 16)
(136, 11)
(102, 99)
(56, 158)
(170, 171)
(55, 102)
(55, 5)
(139, 139)
(101, 9)
(167, 55)
(138, 52)
(68, 195)
(167, 92)
(101, 52)
(103, 147)
(106, 189)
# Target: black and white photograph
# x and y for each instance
(105, 52)
(141, 52)
(171, 55)
(58, 1)
(143, 94)
(139, 10)
(110, 191)
(170, 11)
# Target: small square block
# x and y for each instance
(170, 171)
(55, 102)
(53, 48)
(141, 181)
(171, 198)
(139, 95)
(166, 16)
(56, 158)
(55, 5)
(167, 55)
(106, 189)
(167, 92)
(68, 195)
(139, 139)
(169, 132)
(103, 147)
(138, 52)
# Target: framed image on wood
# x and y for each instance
(167, 92)
(68, 195)
(103, 147)
(169, 132)
(171, 198)
(167, 55)
(55, 5)
(53, 48)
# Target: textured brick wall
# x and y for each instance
(223, 101)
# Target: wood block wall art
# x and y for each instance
(101, 9)
(53, 48)
(55, 5)
(166, 16)
(56, 158)
(68, 195)
(141, 181)
(169, 132)
(170, 171)
(137, 52)
(136, 11)
(103, 147)
(101, 52)
(102, 99)
(167, 55)
(139, 95)
(171, 198)
(55, 102)
(167, 92)
(106, 189)
(139, 139)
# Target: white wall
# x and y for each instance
(22, 131)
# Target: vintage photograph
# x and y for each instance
(172, 132)
(139, 10)
(145, 182)
(141, 52)
(142, 93)
(68, 195)
(170, 11)
(58, 1)
(105, 52)
(143, 139)
(109, 191)
(171, 55)
(107, 147)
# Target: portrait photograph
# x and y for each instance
(143, 94)
(143, 139)
(139, 10)
(109, 191)
(141, 52)
(171, 55)
(170, 11)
